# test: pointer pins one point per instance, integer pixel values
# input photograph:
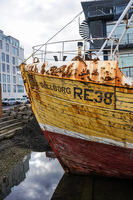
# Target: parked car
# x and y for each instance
(21, 100)
(18, 100)
(28, 101)
(10, 101)
(4, 101)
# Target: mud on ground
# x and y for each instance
(30, 138)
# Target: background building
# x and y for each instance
(11, 56)
(100, 17)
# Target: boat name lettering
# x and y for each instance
(87, 93)
(63, 90)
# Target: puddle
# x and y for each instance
(36, 177)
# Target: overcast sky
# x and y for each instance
(35, 21)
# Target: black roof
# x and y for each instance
(98, 2)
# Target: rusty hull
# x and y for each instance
(104, 72)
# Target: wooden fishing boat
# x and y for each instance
(85, 110)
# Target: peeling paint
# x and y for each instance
(104, 72)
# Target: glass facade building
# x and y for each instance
(101, 17)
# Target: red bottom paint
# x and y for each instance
(86, 157)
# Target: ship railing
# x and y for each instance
(43, 51)
(67, 50)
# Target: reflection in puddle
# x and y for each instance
(41, 179)
(40, 176)
(16, 176)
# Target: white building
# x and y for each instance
(11, 56)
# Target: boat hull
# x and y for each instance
(81, 156)
(89, 125)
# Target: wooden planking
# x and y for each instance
(53, 121)
(124, 99)
(87, 157)
(56, 116)
(121, 105)
(106, 120)
(82, 92)
(124, 120)
(126, 96)
(107, 132)
(125, 90)
(90, 111)
(102, 120)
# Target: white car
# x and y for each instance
(11, 101)
(21, 100)
(4, 101)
